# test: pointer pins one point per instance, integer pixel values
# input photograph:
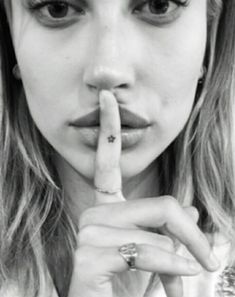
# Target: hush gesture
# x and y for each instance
(113, 234)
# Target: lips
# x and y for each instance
(129, 120)
(133, 128)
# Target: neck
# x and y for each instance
(80, 190)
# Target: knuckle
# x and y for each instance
(108, 167)
(89, 217)
(170, 203)
(194, 209)
(83, 255)
(87, 234)
(169, 245)
(193, 213)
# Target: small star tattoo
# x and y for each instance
(111, 139)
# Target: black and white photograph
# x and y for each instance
(117, 148)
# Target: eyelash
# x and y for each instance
(177, 2)
(35, 5)
(160, 19)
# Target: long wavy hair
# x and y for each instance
(36, 228)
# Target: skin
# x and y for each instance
(160, 80)
(161, 76)
(99, 237)
(154, 75)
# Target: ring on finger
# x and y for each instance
(129, 253)
(106, 191)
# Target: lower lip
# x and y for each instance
(130, 137)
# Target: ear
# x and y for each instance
(16, 72)
(203, 74)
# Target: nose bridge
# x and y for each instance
(108, 65)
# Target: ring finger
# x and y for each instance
(149, 258)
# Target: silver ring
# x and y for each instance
(129, 253)
(109, 192)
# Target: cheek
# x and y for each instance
(174, 72)
(50, 78)
(174, 98)
(47, 88)
(181, 80)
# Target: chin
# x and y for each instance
(131, 165)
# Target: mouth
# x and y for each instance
(129, 120)
(133, 128)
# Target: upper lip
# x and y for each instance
(128, 118)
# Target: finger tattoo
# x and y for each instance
(111, 139)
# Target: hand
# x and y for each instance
(113, 221)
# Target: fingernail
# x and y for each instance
(195, 267)
(213, 261)
(106, 98)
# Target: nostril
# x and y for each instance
(122, 86)
(92, 87)
(107, 78)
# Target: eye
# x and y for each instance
(55, 10)
(159, 7)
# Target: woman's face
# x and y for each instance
(148, 53)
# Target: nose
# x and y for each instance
(109, 64)
(107, 77)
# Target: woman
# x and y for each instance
(116, 140)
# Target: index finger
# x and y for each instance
(108, 179)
